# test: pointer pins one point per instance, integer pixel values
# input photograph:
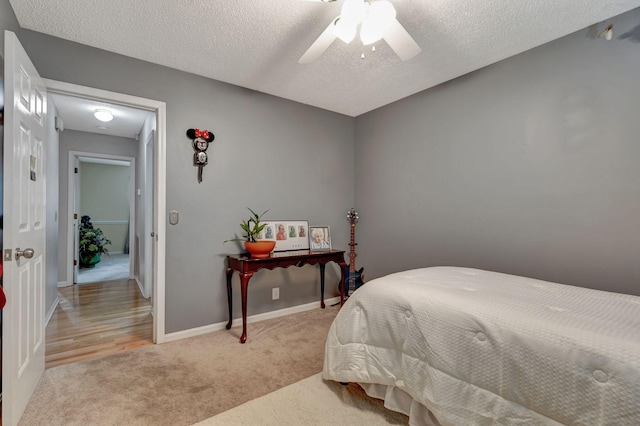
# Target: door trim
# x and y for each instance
(160, 178)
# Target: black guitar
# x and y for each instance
(353, 278)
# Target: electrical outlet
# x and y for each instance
(275, 293)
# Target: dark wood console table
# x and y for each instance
(247, 266)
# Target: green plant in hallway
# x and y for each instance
(92, 243)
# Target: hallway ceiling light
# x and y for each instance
(103, 115)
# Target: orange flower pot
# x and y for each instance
(260, 248)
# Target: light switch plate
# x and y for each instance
(173, 217)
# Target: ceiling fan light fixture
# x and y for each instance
(353, 11)
(376, 18)
(103, 115)
(369, 33)
(380, 15)
(344, 30)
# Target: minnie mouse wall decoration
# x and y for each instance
(200, 139)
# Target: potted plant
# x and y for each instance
(92, 243)
(252, 229)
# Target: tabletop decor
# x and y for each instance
(288, 234)
(253, 238)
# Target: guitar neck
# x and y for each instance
(352, 252)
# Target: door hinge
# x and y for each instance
(75, 170)
(75, 262)
(75, 216)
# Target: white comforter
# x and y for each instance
(482, 348)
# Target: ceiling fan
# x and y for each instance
(376, 19)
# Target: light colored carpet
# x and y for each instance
(311, 401)
(186, 381)
(111, 267)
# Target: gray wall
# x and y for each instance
(105, 192)
(8, 21)
(530, 166)
(72, 140)
(269, 153)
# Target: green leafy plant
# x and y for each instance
(92, 242)
(252, 227)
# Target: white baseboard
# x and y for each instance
(178, 335)
(62, 284)
(51, 311)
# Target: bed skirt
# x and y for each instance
(398, 400)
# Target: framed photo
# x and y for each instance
(319, 238)
(288, 234)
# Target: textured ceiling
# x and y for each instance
(257, 43)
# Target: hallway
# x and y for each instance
(95, 320)
(111, 267)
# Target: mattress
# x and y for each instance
(460, 346)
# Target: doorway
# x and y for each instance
(105, 194)
(141, 242)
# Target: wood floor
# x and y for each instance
(96, 320)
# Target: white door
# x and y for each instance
(74, 215)
(149, 224)
(24, 230)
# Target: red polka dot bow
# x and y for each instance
(204, 134)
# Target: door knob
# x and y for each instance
(27, 253)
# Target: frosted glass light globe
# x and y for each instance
(380, 15)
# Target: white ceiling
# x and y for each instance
(77, 114)
(257, 43)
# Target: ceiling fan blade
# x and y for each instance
(401, 41)
(320, 45)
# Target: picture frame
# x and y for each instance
(319, 238)
(288, 234)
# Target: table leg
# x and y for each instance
(322, 265)
(229, 297)
(244, 283)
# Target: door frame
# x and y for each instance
(160, 179)
(74, 195)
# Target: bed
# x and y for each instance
(460, 346)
